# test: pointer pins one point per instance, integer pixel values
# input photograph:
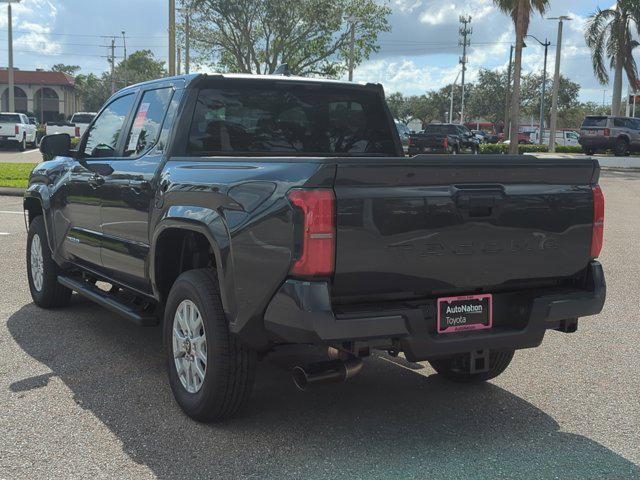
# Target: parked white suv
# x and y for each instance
(15, 128)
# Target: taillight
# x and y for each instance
(17, 130)
(77, 131)
(597, 234)
(410, 141)
(316, 254)
(445, 142)
(606, 132)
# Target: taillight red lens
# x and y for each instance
(17, 130)
(445, 142)
(410, 141)
(317, 255)
(77, 131)
(597, 234)
(606, 132)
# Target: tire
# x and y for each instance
(622, 147)
(455, 150)
(22, 145)
(456, 368)
(42, 270)
(588, 151)
(475, 149)
(230, 366)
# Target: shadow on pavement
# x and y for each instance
(390, 422)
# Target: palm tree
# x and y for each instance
(608, 34)
(520, 11)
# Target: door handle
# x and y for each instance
(96, 180)
(139, 186)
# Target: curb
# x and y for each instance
(12, 191)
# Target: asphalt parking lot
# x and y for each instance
(83, 394)
(8, 154)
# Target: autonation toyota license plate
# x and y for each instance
(470, 312)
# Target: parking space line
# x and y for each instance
(11, 211)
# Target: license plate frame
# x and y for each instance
(481, 322)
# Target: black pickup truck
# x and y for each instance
(243, 213)
(443, 138)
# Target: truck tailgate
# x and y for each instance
(430, 224)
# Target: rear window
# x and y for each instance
(440, 129)
(82, 118)
(8, 118)
(289, 119)
(595, 122)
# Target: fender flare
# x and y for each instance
(38, 192)
(212, 226)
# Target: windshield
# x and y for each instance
(595, 122)
(439, 129)
(82, 118)
(9, 118)
(281, 118)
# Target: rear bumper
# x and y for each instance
(597, 143)
(301, 312)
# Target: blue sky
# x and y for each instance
(418, 55)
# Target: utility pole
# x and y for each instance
(451, 99)
(187, 34)
(113, 65)
(124, 65)
(465, 30)
(544, 84)
(172, 37)
(507, 101)
(556, 86)
(12, 98)
(352, 44)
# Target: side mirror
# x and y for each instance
(58, 144)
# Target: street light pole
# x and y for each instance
(12, 98)
(556, 86)
(352, 44)
(544, 84)
(451, 98)
(172, 37)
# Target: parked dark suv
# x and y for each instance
(600, 132)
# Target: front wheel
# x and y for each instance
(211, 372)
(457, 369)
(42, 270)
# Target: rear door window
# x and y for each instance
(147, 121)
(287, 118)
(595, 122)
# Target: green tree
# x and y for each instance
(312, 36)
(70, 70)
(609, 35)
(489, 96)
(140, 66)
(398, 106)
(92, 91)
(568, 93)
(520, 12)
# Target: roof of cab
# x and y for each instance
(198, 77)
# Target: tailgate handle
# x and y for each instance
(479, 204)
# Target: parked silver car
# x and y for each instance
(600, 132)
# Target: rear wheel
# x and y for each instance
(457, 368)
(211, 372)
(622, 147)
(588, 151)
(22, 145)
(42, 270)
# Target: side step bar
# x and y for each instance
(108, 301)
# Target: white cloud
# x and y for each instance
(31, 23)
